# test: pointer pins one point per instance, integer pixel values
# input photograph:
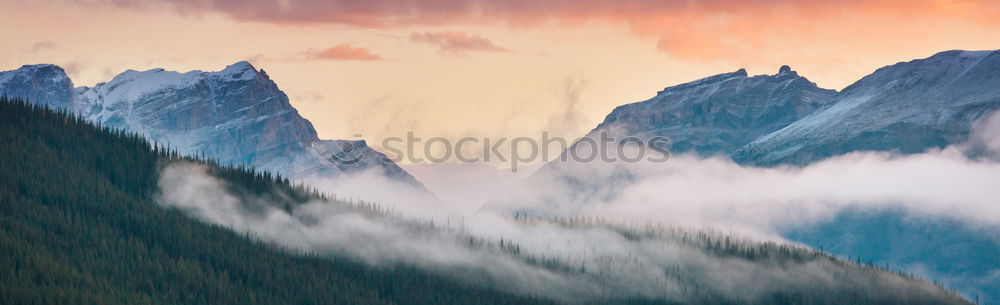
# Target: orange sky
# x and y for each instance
(488, 68)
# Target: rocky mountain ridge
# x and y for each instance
(237, 115)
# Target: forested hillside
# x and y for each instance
(78, 226)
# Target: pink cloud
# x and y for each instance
(386, 13)
(457, 43)
(343, 52)
(702, 29)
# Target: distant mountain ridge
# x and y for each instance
(786, 119)
(237, 115)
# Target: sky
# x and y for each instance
(486, 68)
(513, 68)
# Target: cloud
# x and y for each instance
(576, 262)
(466, 186)
(569, 120)
(74, 67)
(42, 45)
(985, 138)
(310, 96)
(457, 43)
(955, 182)
(342, 52)
(942, 185)
(744, 33)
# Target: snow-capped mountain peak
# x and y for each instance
(236, 115)
(714, 79)
(55, 73)
(132, 85)
(238, 71)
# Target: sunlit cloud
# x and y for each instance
(42, 45)
(692, 29)
(343, 52)
(457, 43)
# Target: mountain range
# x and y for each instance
(236, 116)
(785, 120)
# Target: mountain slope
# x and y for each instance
(237, 115)
(907, 107)
(88, 232)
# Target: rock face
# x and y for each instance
(718, 114)
(236, 116)
(41, 84)
(907, 107)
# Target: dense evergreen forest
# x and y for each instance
(80, 226)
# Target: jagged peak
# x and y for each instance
(958, 56)
(131, 84)
(54, 72)
(785, 71)
(39, 68)
(241, 70)
(741, 73)
(964, 53)
(237, 67)
(131, 74)
(958, 62)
